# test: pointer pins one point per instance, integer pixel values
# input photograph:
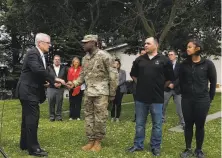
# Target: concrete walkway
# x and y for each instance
(209, 118)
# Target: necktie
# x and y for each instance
(43, 59)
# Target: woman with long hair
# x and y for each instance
(121, 89)
(195, 72)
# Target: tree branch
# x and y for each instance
(147, 27)
(170, 22)
(94, 21)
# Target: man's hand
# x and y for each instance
(57, 85)
(46, 84)
(70, 85)
(60, 81)
(111, 98)
(171, 86)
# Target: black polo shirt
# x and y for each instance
(151, 76)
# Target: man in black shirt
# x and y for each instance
(150, 71)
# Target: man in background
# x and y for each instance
(173, 89)
(55, 91)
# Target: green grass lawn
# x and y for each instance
(64, 139)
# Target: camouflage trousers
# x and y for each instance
(96, 115)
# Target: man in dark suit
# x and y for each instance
(31, 92)
(173, 89)
(55, 92)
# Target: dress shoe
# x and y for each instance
(155, 152)
(133, 149)
(52, 119)
(39, 153)
(187, 153)
(198, 153)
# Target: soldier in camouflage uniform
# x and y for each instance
(101, 80)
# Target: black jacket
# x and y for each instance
(32, 79)
(151, 76)
(176, 82)
(194, 79)
(62, 73)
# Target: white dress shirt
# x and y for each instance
(174, 63)
(42, 56)
(56, 68)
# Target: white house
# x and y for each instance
(126, 59)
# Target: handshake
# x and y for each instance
(59, 82)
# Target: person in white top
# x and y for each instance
(55, 92)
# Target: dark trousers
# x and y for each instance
(116, 110)
(194, 112)
(29, 127)
(75, 105)
(55, 97)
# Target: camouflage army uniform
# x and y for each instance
(101, 82)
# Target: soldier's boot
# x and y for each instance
(97, 146)
(88, 146)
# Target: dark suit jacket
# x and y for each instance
(62, 73)
(33, 76)
(176, 82)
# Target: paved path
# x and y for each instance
(209, 118)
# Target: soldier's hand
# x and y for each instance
(57, 85)
(111, 98)
(69, 85)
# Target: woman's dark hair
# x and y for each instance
(197, 43)
(118, 60)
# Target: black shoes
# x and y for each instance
(39, 153)
(133, 149)
(155, 152)
(198, 153)
(52, 119)
(186, 154)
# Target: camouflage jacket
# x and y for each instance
(98, 73)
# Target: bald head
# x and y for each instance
(151, 45)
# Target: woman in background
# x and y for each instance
(75, 94)
(121, 89)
